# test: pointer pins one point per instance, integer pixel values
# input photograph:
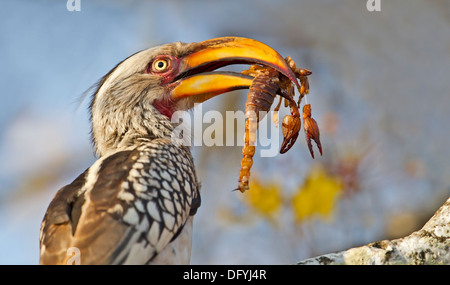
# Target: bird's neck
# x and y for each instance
(124, 129)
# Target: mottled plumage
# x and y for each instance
(126, 208)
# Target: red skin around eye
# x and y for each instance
(165, 106)
(170, 73)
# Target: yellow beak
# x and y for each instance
(196, 78)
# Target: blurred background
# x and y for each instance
(379, 92)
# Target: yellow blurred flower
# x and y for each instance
(265, 198)
(317, 195)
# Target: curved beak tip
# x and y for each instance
(211, 54)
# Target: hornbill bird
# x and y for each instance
(135, 204)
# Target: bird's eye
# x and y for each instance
(160, 65)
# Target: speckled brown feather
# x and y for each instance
(141, 198)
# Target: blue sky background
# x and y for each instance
(381, 77)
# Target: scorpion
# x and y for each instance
(266, 85)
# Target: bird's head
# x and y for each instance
(138, 97)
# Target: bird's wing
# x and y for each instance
(56, 228)
(125, 208)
